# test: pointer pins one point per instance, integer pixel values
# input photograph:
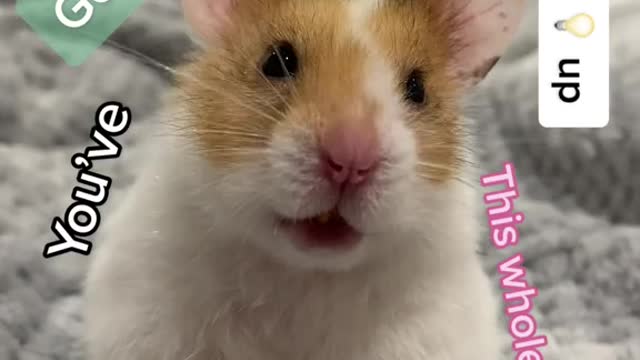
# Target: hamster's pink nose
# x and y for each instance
(351, 153)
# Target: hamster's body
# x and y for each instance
(262, 233)
(160, 288)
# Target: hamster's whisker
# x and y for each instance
(242, 206)
(229, 151)
(221, 93)
(247, 59)
(284, 67)
(227, 180)
(253, 94)
(232, 132)
(227, 154)
(445, 168)
(238, 144)
(166, 68)
(437, 129)
(140, 56)
(247, 105)
(159, 65)
(436, 166)
(230, 136)
(448, 145)
(234, 156)
(241, 129)
(275, 90)
(456, 178)
(301, 200)
(463, 157)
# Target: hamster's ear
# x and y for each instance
(208, 18)
(480, 31)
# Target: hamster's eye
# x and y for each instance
(414, 88)
(281, 61)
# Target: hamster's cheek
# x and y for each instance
(395, 182)
(294, 181)
(239, 188)
(407, 193)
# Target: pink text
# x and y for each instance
(517, 293)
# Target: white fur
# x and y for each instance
(169, 284)
(192, 266)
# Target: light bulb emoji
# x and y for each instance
(581, 25)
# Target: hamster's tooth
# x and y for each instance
(324, 218)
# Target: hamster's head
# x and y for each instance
(333, 128)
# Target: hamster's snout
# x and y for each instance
(350, 152)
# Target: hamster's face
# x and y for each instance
(332, 127)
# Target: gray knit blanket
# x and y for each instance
(580, 189)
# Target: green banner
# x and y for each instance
(74, 29)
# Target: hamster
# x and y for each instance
(307, 197)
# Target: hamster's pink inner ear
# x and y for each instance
(480, 31)
(207, 18)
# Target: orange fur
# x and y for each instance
(235, 110)
(415, 38)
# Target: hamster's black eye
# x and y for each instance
(281, 61)
(414, 88)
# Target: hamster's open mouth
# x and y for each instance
(328, 230)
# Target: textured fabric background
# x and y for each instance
(580, 189)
